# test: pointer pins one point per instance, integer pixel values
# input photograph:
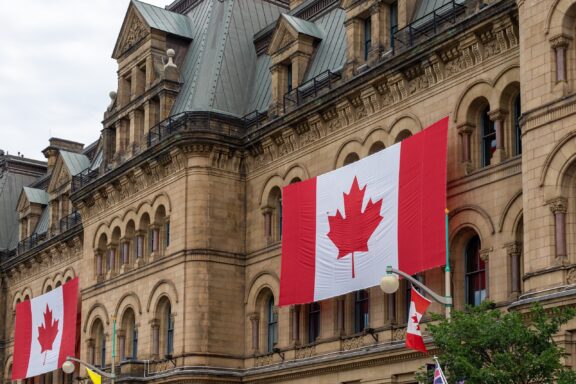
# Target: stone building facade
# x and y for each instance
(172, 220)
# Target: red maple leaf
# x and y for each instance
(351, 234)
(415, 320)
(47, 332)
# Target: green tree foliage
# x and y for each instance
(485, 345)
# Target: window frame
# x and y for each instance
(314, 322)
(487, 136)
(361, 310)
(476, 275)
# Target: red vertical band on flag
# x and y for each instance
(298, 243)
(22, 338)
(422, 199)
(70, 299)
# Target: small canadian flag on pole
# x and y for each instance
(45, 331)
(418, 305)
(340, 230)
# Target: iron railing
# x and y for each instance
(83, 178)
(31, 242)
(428, 25)
(70, 221)
(310, 89)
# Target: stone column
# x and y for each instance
(484, 255)
(465, 131)
(340, 323)
(155, 325)
(498, 116)
(121, 334)
(560, 45)
(255, 322)
(353, 44)
(380, 31)
(514, 251)
(295, 313)
(99, 269)
(111, 258)
(267, 212)
(558, 207)
(390, 308)
(90, 348)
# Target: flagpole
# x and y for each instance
(441, 371)
(113, 369)
(447, 275)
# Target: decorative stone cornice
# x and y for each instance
(465, 128)
(498, 114)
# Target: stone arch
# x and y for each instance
(130, 214)
(260, 280)
(145, 208)
(96, 311)
(557, 165)
(69, 274)
(509, 75)
(163, 287)
(351, 146)
(407, 122)
(479, 89)
(376, 137)
(510, 213)
(27, 292)
(8, 367)
(48, 282)
(561, 16)
(273, 181)
(129, 299)
(296, 171)
(476, 217)
(164, 200)
(102, 229)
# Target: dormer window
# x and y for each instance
(289, 77)
(367, 37)
(290, 50)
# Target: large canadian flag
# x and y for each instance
(45, 331)
(341, 229)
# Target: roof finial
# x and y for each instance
(170, 53)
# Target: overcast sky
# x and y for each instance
(56, 70)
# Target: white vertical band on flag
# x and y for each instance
(380, 174)
(41, 362)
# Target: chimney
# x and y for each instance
(56, 144)
(295, 3)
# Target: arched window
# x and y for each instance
(376, 147)
(361, 310)
(273, 216)
(313, 322)
(475, 278)
(272, 326)
(163, 329)
(100, 254)
(351, 158)
(143, 237)
(161, 231)
(488, 137)
(404, 134)
(99, 352)
(129, 341)
(517, 132)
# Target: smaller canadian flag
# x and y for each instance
(418, 305)
(45, 331)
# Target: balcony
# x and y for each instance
(71, 221)
(310, 89)
(429, 25)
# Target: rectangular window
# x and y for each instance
(166, 235)
(289, 77)
(361, 311)
(111, 257)
(313, 322)
(393, 21)
(125, 251)
(367, 36)
(134, 342)
(170, 335)
(139, 246)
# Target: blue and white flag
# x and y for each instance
(439, 377)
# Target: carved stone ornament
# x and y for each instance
(558, 205)
(560, 41)
(571, 276)
(136, 32)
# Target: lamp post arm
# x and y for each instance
(447, 301)
(97, 370)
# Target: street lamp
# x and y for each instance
(389, 282)
(68, 367)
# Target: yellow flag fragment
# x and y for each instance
(96, 378)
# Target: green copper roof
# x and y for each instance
(163, 20)
(304, 27)
(37, 196)
(75, 162)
